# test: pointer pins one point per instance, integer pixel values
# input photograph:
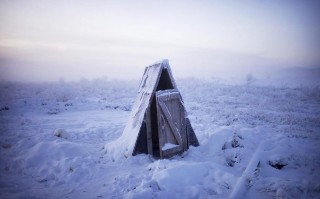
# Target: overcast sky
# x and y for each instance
(47, 40)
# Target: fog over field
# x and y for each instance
(46, 41)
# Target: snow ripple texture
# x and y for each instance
(53, 137)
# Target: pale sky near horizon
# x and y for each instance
(48, 40)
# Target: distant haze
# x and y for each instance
(47, 40)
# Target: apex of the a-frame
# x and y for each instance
(163, 62)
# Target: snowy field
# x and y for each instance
(53, 137)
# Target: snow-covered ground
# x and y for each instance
(53, 137)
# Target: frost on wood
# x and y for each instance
(158, 117)
(169, 146)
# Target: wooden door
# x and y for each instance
(171, 123)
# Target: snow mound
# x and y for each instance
(231, 121)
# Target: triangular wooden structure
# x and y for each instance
(158, 124)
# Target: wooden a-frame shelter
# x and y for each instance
(158, 123)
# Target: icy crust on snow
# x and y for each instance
(124, 146)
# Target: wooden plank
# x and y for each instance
(172, 151)
(174, 128)
(191, 136)
(149, 132)
(169, 136)
(183, 126)
(171, 122)
(160, 130)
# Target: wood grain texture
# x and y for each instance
(171, 122)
